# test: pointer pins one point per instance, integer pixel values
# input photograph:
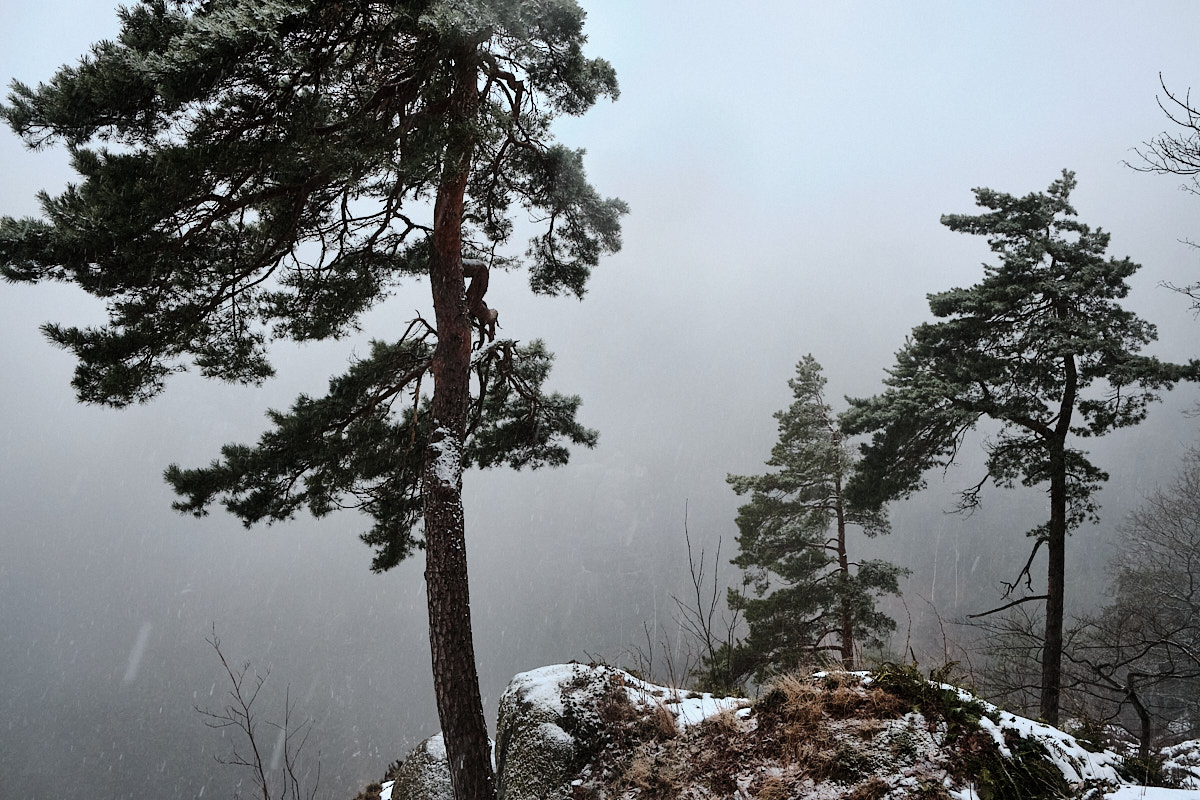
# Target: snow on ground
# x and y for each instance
(689, 708)
(1152, 793)
(545, 687)
(1184, 760)
(1077, 764)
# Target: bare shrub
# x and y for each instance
(240, 715)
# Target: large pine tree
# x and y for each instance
(253, 170)
(1042, 347)
(811, 595)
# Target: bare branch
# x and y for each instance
(1007, 606)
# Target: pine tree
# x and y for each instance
(254, 170)
(1022, 348)
(810, 596)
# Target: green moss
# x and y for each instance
(923, 695)
(1028, 775)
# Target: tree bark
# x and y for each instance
(455, 678)
(1056, 546)
(1055, 577)
(844, 569)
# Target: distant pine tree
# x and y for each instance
(804, 594)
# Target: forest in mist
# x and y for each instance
(786, 167)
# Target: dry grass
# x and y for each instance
(885, 705)
(724, 722)
(774, 787)
(843, 702)
(872, 789)
(803, 705)
(870, 728)
(370, 792)
(614, 706)
(652, 777)
(802, 731)
(662, 722)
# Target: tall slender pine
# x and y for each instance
(261, 169)
(1042, 347)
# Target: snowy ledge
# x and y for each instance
(586, 731)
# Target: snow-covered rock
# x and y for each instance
(556, 720)
(536, 757)
(424, 775)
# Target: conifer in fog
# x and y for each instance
(253, 170)
(1042, 347)
(805, 592)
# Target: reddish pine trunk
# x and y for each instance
(456, 681)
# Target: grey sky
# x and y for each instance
(786, 164)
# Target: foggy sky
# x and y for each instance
(786, 164)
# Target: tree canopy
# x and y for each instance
(259, 169)
(1040, 346)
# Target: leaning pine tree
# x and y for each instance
(810, 595)
(1042, 347)
(271, 169)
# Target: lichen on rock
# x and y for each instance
(423, 775)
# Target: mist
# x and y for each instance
(786, 165)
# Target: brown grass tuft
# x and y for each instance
(872, 789)
(773, 787)
(652, 777)
(803, 703)
(614, 705)
(725, 722)
(370, 792)
(844, 701)
(885, 705)
(662, 722)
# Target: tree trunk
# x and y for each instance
(455, 679)
(1145, 729)
(844, 569)
(1055, 575)
(1056, 545)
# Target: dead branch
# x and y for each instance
(1009, 587)
(485, 318)
(1007, 606)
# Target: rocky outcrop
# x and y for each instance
(576, 731)
(536, 757)
(423, 775)
(557, 724)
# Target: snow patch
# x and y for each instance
(694, 710)
(1076, 763)
(1152, 793)
(447, 465)
(436, 747)
(1183, 759)
(554, 733)
(543, 686)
